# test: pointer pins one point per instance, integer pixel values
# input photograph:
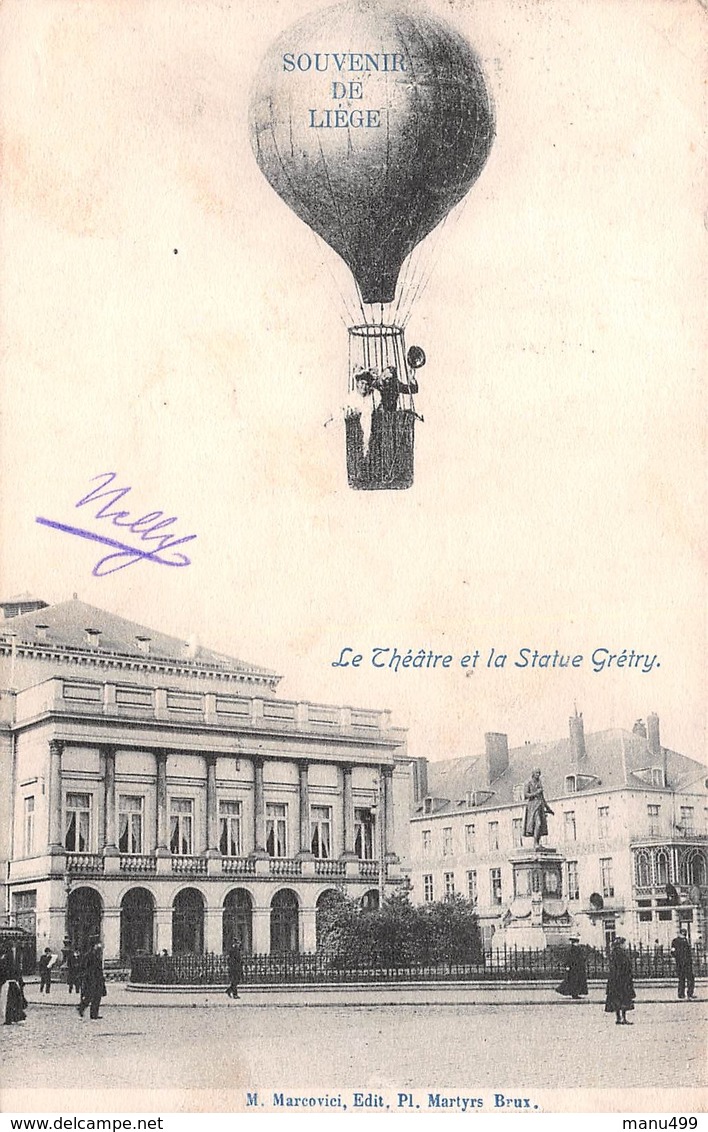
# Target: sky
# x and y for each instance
(166, 317)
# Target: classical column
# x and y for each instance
(54, 801)
(212, 808)
(389, 829)
(348, 853)
(161, 805)
(258, 809)
(304, 850)
(110, 844)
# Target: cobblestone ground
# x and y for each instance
(545, 1046)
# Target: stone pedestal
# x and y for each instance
(537, 916)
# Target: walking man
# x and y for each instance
(681, 951)
(235, 969)
(46, 963)
(93, 984)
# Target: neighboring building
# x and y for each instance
(161, 796)
(631, 822)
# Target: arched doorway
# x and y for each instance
(327, 901)
(188, 923)
(137, 911)
(237, 921)
(284, 922)
(84, 917)
(370, 900)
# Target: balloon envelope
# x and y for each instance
(372, 184)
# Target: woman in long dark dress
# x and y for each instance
(620, 983)
(575, 982)
(12, 996)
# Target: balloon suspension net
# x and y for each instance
(383, 460)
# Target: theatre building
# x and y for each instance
(627, 844)
(162, 796)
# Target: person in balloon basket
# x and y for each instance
(681, 951)
(390, 387)
(361, 403)
(620, 994)
(575, 982)
(93, 983)
(235, 969)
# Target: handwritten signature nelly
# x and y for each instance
(150, 529)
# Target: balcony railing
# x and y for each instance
(189, 866)
(284, 867)
(330, 868)
(238, 866)
(667, 837)
(84, 864)
(138, 864)
(369, 870)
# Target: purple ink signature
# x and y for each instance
(146, 528)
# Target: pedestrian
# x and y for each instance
(13, 1003)
(46, 964)
(72, 961)
(681, 951)
(93, 983)
(235, 962)
(575, 982)
(620, 983)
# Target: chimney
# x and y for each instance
(658, 753)
(496, 747)
(420, 778)
(653, 738)
(578, 753)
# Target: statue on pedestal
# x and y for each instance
(535, 824)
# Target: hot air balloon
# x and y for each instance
(372, 121)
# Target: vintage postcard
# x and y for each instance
(353, 639)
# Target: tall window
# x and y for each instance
(609, 932)
(657, 776)
(662, 867)
(447, 841)
(603, 822)
(493, 835)
(78, 823)
(643, 870)
(495, 885)
(517, 830)
(608, 886)
(28, 845)
(687, 819)
(426, 842)
(321, 831)
(570, 784)
(569, 825)
(276, 829)
(472, 885)
(428, 887)
(364, 834)
(653, 815)
(182, 826)
(230, 828)
(130, 823)
(469, 838)
(573, 881)
(449, 879)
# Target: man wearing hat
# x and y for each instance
(681, 951)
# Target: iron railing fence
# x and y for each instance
(311, 968)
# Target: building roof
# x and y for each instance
(65, 625)
(614, 758)
(25, 598)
